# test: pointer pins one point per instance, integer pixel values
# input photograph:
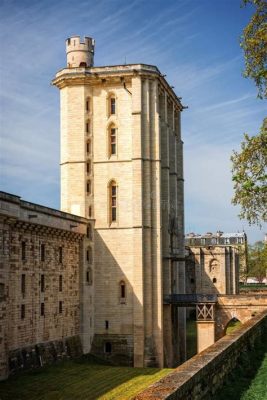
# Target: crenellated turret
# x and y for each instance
(80, 52)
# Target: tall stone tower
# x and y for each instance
(122, 164)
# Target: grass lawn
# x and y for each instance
(249, 380)
(191, 338)
(80, 379)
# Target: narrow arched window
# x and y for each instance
(89, 277)
(89, 255)
(87, 127)
(89, 187)
(122, 290)
(113, 201)
(112, 141)
(90, 211)
(112, 105)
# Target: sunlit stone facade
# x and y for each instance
(122, 165)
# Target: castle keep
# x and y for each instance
(122, 165)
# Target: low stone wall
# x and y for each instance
(201, 376)
(44, 353)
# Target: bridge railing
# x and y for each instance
(190, 299)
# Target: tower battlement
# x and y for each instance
(80, 52)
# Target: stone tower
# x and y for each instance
(121, 163)
(80, 54)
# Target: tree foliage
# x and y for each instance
(257, 261)
(249, 173)
(254, 44)
(249, 166)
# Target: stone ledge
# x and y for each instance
(205, 373)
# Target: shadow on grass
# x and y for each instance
(85, 378)
(242, 376)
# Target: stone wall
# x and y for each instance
(204, 374)
(212, 269)
(143, 247)
(42, 282)
(41, 354)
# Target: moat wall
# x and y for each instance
(201, 376)
(41, 354)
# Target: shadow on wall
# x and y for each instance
(119, 333)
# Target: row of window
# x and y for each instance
(214, 241)
(42, 252)
(112, 144)
(42, 283)
(42, 309)
(111, 105)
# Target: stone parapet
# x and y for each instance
(204, 374)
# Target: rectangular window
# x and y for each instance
(42, 251)
(2, 290)
(112, 106)
(22, 311)
(60, 255)
(23, 283)
(60, 286)
(23, 251)
(113, 215)
(87, 127)
(106, 324)
(60, 307)
(42, 283)
(42, 309)
(113, 141)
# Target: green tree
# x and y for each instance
(254, 45)
(257, 261)
(249, 174)
(249, 166)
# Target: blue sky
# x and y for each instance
(194, 42)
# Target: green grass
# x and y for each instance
(249, 379)
(191, 338)
(83, 380)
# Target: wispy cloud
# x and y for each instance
(199, 53)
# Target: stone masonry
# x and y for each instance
(120, 132)
(42, 284)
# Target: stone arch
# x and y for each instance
(112, 138)
(232, 323)
(110, 110)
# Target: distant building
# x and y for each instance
(214, 262)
